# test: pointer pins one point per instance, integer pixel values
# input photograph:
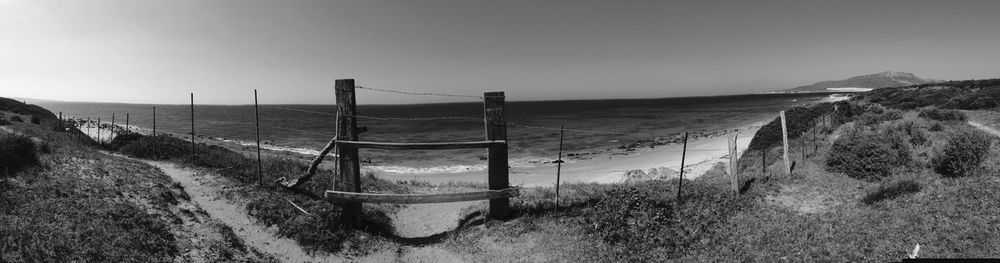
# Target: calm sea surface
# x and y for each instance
(592, 125)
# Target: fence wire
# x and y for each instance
(420, 93)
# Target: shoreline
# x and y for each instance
(633, 161)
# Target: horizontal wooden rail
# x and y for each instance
(421, 145)
(339, 196)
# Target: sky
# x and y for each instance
(153, 51)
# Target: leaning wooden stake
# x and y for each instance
(256, 118)
(348, 177)
(496, 129)
(559, 163)
(680, 182)
(784, 140)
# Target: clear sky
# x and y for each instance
(153, 51)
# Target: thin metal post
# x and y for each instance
(256, 112)
(192, 125)
(559, 163)
(680, 182)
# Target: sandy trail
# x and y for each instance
(985, 128)
(233, 215)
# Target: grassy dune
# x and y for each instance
(63, 201)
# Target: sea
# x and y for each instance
(533, 130)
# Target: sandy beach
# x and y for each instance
(602, 167)
(609, 167)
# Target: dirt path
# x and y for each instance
(423, 220)
(256, 236)
(985, 128)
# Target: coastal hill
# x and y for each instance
(863, 82)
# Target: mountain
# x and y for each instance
(864, 82)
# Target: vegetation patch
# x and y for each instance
(868, 155)
(891, 190)
(963, 154)
(933, 113)
(643, 223)
(16, 153)
(966, 95)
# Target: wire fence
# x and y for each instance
(516, 124)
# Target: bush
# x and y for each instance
(36, 119)
(4, 121)
(892, 190)
(868, 155)
(16, 118)
(963, 154)
(16, 152)
(910, 130)
(879, 116)
(942, 114)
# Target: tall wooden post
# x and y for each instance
(559, 163)
(112, 133)
(680, 182)
(496, 129)
(98, 130)
(88, 125)
(349, 174)
(192, 125)
(815, 142)
(735, 163)
(784, 140)
(154, 121)
(256, 113)
(802, 147)
(732, 165)
(60, 116)
(127, 128)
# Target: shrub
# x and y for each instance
(16, 118)
(4, 121)
(937, 127)
(910, 130)
(963, 154)
(16, 152)
(868, 155)
(942, 114)
(892, 190)
(879, 116)
(36, 119)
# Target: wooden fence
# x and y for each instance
(347, 186)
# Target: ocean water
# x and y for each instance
(533, 127)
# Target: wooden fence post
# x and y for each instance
(802, 147)
(784, 139)
(154, 121)
(733, 180)
(349, 175)
(112, 126)
(559, 163)
(496, 129)
(192, 125)
(256, 118)
(127, 128)
(680, 182)
(98, 130)
(88, 125)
